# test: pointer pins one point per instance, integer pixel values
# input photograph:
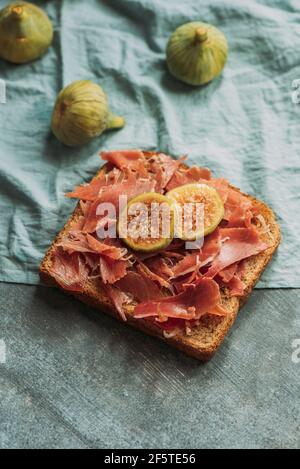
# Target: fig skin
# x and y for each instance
(26, 32)
(196, 53)
(81, 113)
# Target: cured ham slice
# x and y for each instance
(221, 185)
(89, 191)
(164, 167)
(112, 270)
(189, 176)
(127, 159)
(69, 270)
(111, 261)
(236, 205)
(147, 273)
(130, 187)
(192, 262)
(236, 286)
(189, 264)
(228, 273)
(240, 217)
(118, 298)
(108, 187)
(211, 247)
(141, 288)
(159, 264)
(80, 242)
(75, 241)
(195, 301)
(92, 261)
(106, 250)
(237, 244)
(230, 277)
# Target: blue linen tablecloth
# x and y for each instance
(244, 125)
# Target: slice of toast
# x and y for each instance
(204, 339)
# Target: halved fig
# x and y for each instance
(147, 222)
(198, 210)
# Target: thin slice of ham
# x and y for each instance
(76, 241)
(112, 270)
(240, 217)
(118, 298)
(190, 263)
(188, 176)
(195, 301)
(222, 187)
(127, 159)
(237, 244)
(236, 286)
(129, 187)
(108, 187)
(164, 167)
(193, 261)
(161, 265)
(141, 288)
(211, 247)
(69, 270)
(172, 255)
(92, 261)
(231, 278)
(148, 273)
(107, 250)
(110, 260)
(186, 271)
(236, 205)
(89, 192)
(228, 273)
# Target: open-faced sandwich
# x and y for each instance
(164, 247)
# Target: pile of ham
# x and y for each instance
(173, 288)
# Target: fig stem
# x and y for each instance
(200, 35)
(17, 11)
(115, 122)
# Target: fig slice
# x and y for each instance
(147, 222)
(198, 210)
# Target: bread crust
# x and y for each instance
(204, 339)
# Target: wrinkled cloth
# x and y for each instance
(244, 125)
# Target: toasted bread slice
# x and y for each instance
(204, 339)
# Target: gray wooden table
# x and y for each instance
(76, 378)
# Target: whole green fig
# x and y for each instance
(196, 53)
(25, 32)
(81, 113)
